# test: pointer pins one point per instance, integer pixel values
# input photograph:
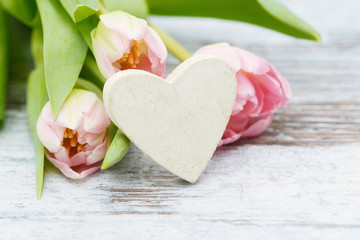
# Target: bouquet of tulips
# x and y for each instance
(78, 44)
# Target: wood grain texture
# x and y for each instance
(298, 180)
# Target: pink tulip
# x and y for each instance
(76, 142)
(261, 91)
(122, 41)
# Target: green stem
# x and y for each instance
(102, 9)
(172, 45)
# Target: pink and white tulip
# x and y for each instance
(122, 41)
(76, 142)
(261, 91)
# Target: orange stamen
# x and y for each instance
(70, 142)
(131, 59)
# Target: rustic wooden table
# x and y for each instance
(298, 180)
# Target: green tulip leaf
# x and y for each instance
(112, 130)
(91, 71)
(138, 8)
(86, 26)
(118, 148)
(37, 46)
(23, 10)
(64, 52)
(80, 9)
(36, 99)
(89, 86)
(266, 13)
(4, 47)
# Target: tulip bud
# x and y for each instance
(122, 41)
(261, 91)
(76, 142)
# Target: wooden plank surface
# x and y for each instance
(298, 180)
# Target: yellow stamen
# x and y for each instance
(131, 59)
(70, 134)
(73, 141)
(80, 148)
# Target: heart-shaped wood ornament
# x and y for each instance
(178, 122)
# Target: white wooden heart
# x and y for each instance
(177, 122)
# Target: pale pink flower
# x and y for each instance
(122, 41)
(76, 142)
(261, 91)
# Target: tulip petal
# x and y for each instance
(114, 44)
(251, 63)
(61, 155)
(157, 67)
(271, 87)
(258, 127)
(245, 87)
(98, 153)
(156, 45)
(223, 51)
(84, 170)
(77, 172)
(245, 92)
(254, 107)
(46, 133)
(72, 111)
(96, 121)
(125, 24)
(269, 106)
(238, 122)
(92, 139)
(284, 84)
(78, 159)
(105, 65)
(144, 63)
(229, 137)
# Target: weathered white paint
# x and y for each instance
(299, 180)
